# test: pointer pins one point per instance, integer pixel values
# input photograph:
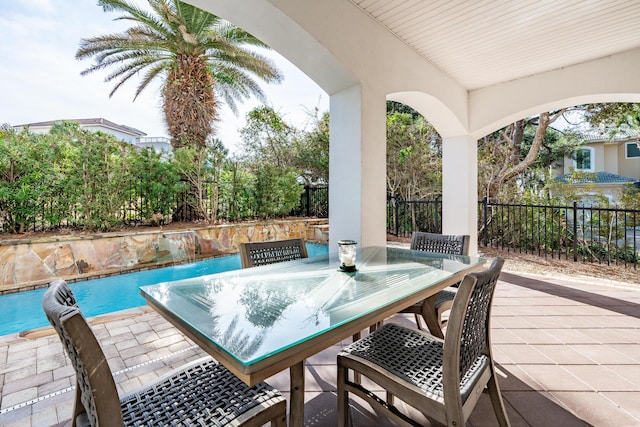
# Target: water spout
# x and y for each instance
(178, 247)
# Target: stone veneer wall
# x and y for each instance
(28, 264)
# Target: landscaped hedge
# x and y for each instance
(72, 177)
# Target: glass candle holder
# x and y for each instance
(347, 255)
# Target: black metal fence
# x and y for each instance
(406, 216)
(313, 202)
(52, 215)
(575, 232)
(580, 233)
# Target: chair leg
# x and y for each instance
(376, 326)
(496, 400)
(280, 421)
(418, 320)
(430, 317)
(356, 375)
(296, 403)
(343, 398)
(78, 408)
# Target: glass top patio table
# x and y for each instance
(250, 315)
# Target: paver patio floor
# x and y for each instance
(568, 352)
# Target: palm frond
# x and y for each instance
(196, 20)
(134, 12)
(125, 73)
(171, 38)
(155, 71)
(233, 85)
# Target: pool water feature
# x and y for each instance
(22, 311)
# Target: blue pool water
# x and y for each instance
(23, 311)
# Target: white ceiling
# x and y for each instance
(485, 42)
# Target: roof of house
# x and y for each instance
(88, 122)
(620, 134)
(594, 178)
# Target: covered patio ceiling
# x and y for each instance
(470, 67)
(485, 43)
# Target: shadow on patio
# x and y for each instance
(568, 352)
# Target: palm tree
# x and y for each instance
(197, 56)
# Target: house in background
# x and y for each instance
(158, 143)
(124, 133)
(605, 164)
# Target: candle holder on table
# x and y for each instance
(347, 255)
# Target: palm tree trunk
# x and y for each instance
(189, 104)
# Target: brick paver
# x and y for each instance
(568, 353)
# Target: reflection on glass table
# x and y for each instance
(262, 320)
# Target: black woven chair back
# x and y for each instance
(472, 306)
(440, 243)
(95, 387)
(254, 254)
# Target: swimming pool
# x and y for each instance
(23, 311)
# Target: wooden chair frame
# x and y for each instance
(207, 384)
(432, 309)
(449, 384)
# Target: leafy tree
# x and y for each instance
(398, 107)
(196, 166)
(236, 199)
(521, 156)
(27, 176)
(506, 155)
(631, 199)
(269, 151)
(155, 183)
(511, 160)
(311, 150)
(267, 138)
(67, 176)
(414, 157)
(192, 52)
(97, 178)
(277, 191)
(613, 114)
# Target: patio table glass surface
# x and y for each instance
(255, 313)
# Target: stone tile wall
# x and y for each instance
(28, 264)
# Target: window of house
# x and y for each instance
(632, 150)
(584, 159)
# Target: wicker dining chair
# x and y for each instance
(442, 379)
(201, 393)
(432, 311)
(253, 254)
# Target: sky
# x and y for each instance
(40, 78)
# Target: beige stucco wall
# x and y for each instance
(628, 167)
(610, 158)
(598, 156)
(611, 163)
(31, 263)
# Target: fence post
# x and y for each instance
(395, 201)
(307, 189)
(485, 233)
(575, 231)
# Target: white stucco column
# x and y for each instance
(357, 167)
(460, 188)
